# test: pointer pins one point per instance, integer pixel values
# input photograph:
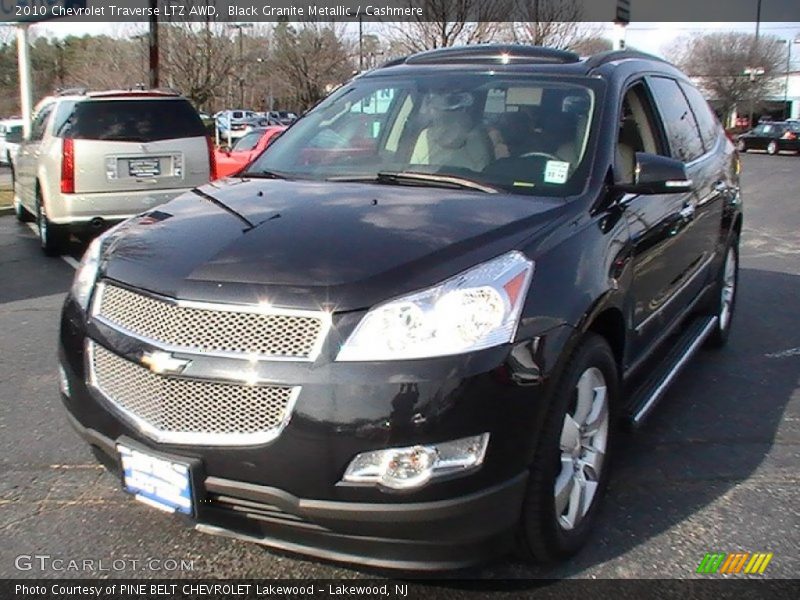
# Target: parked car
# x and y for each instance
(245, 150)
(411, 344)
(281, 117)
(233, 124)
(209, 122)
(772, 136)
(93, 159)
(10, 137)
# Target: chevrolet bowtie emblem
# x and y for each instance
(163, 363)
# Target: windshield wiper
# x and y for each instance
(261, 175)
(414, 177)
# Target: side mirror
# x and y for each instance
(655, 174)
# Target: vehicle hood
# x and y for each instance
(339, 245)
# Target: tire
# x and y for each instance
(22, 214)
(772, 148)
(724, 300)
(53, 238)
(741, 146)
(555, 526)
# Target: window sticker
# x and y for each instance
(555, 171)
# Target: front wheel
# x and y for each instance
(570, 470)
(772, 148)
(741, 146)
(724, 301)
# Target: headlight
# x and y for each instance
(476, 309)
(86, 274)
(415, 466)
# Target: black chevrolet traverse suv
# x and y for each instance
(406, 335)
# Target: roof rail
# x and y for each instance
(393, 62)
(134, 92)
(74, 91)
(602, 58)
(165, 90)
(501, 54)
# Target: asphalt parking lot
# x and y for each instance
(715, 469)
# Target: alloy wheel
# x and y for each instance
(772, 147)
(583, 445)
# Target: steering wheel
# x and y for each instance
(543, 154)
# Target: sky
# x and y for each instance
(648, 37)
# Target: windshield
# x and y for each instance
(513, 132)
(249, 141)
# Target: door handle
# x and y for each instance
(687, 212)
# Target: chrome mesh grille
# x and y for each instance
(231, 331)
(190, 411)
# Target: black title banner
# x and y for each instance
(397, 10)
(396, 589)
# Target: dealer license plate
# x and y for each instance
(160, 483)
(144, 167)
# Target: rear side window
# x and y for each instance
(40, 122)
(684, 137)
(706, 119)
(132, 121)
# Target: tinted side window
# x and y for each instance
(706, 119)
(39, 123)
(132, 120)
(684, 138)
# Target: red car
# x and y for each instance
(230, 162)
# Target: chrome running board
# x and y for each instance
(648, 395)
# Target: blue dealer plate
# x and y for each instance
(160, 483)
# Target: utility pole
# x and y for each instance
(622, 18)
(757, 54)
(360, 43)
(240, 27)
(785, 112)
(24, 65)
(153, 38)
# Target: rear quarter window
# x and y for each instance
(131, 120)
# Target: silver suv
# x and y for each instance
(93, 159)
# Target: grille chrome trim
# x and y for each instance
(196, 438)
(324, 318)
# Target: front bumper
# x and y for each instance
(287, 493)
(440, 535)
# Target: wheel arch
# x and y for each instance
(610, 325)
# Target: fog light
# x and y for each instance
(63, 382)
(414, 466)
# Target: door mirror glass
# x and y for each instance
(655, 174)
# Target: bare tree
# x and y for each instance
(591, 45)
(197, 58)
(719, 61)
(94, 62)
(551, 23)
(310, 58)
(449, 23)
